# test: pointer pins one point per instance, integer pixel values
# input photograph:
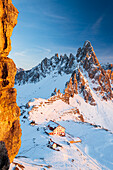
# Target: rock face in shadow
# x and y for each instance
(10, 132)
(4, 160)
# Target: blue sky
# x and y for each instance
(46, 27)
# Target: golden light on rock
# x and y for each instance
(10, 131)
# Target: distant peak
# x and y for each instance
(87, 43)
(56, 55)
(87, 50)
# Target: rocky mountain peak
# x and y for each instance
(88, 62)
(87, 44)
(87, 55)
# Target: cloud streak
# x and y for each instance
(59, 17)
(37, 49)
(44, 49)
(96, 25)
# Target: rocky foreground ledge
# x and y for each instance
(10, 131)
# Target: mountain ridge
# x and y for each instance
(63, 64)
(86, 74)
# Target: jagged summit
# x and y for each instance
(87, 43)
(87, 54)
(88, 63)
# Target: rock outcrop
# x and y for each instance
(109, 71)
(78, 85)
(10, 131)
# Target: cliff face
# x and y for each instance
(10, 131)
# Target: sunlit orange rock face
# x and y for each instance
(10, 131)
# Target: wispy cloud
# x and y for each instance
(96, 25)
(30, 57)
(44, 49)
(37, 49)
(29, 25)
(54, 16)
(104, 53)
(20, 54)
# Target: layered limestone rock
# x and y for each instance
(10, 132)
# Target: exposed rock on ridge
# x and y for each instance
(109, 70)
(10, 131)
(78, 85)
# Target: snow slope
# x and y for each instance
(101, 114)
(58, 110)
(41, 89)
(93, 153)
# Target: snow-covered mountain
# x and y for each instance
(64, 64)
(67, 90)
(84, 66)
(61, 65)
